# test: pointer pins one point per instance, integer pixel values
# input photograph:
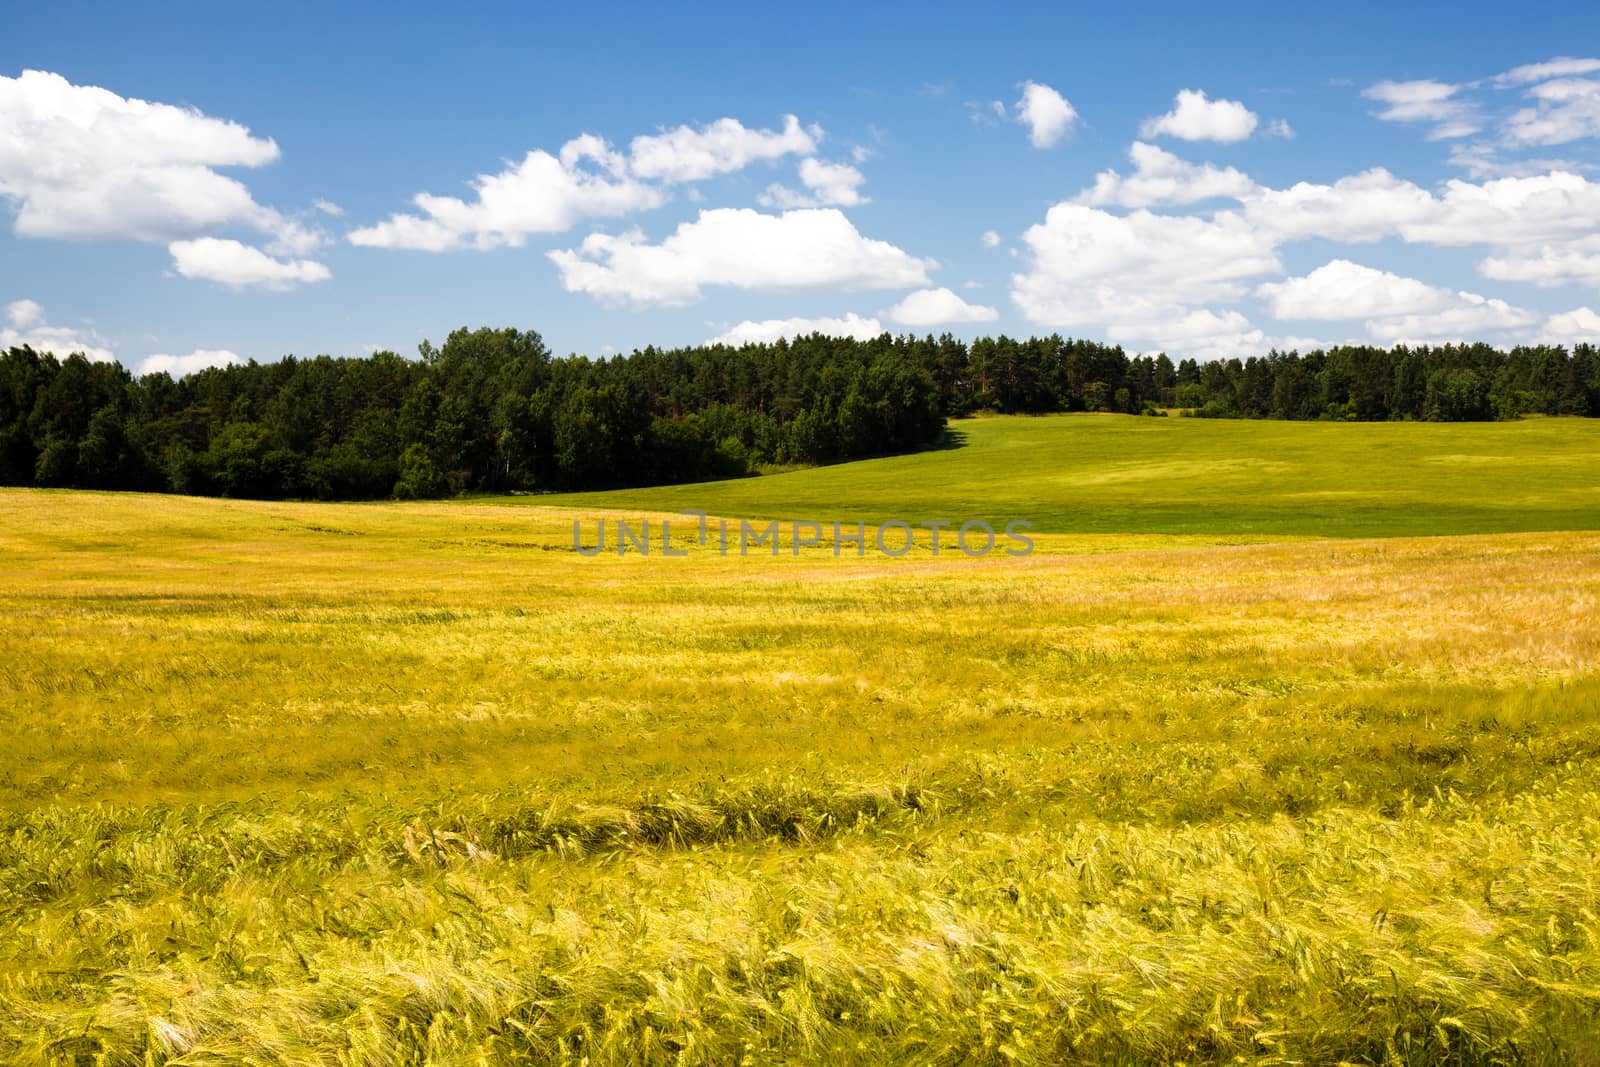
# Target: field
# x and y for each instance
(1242, 764)
(1112, 474)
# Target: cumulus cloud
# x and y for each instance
(1196, 118)
(1547, 265)
(23, 313)
(1396, 308)
(589, 179)
(81, 162)
(828, 183)
(1048, 115)
(540, 194)
(1427, 101)
(240, 266)
(769, 330)
(741, 248)
(1345, 290)
(687, 154)
(1160, 177)
(1202, 334)
(1510, 211)
(833, 183)
(26, 325)
(1135, 274)
(1375, 204)
(1579, 326)
(1088, 266)
(991, 239)
(1472, 318)
(931, 307)
(1359, 208)
(178, 366)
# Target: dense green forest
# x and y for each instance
(492, 411)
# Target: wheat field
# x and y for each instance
(416, 784)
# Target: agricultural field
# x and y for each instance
(1264, 479)
(1283, 746)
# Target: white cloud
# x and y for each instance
(1560, 67)
(292, 238)
(239, 266)
(686, 154)
(1472, 318)
(1579, 326)
(24, 313)
(1206, 334)
(178, 366)
(991, 239)
(1396, 308)
(830, 183)
(1196, 118)
(541, 194)
(1567, 109)
(770, 330)
(1088, 266)
(1280, 128)
(26, 325)
(588, 179)
(1510, 211)
(81, 162)
(328, 207)
(1202, 334)
(1483, 159)
(1047, 114)
(1345, 290)
(1426, 101)
(1547, 265)
(833, 183)
(930, 307)
(741, 248)
(1162, 178)
(1362, 207)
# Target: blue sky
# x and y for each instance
(211, 182)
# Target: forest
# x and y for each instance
(492, 411)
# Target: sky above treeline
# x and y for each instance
(200, 184)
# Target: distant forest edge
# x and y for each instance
(492, 411)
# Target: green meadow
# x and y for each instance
(1114, 474)
(1281, 747)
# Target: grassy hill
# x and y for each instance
(1120, 474)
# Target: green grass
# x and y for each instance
(415, 784)
(1115, 474)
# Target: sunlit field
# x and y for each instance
(1219, 773)
(1114, 474)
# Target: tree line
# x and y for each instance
(493, 411)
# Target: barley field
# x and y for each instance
(1219, 773)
